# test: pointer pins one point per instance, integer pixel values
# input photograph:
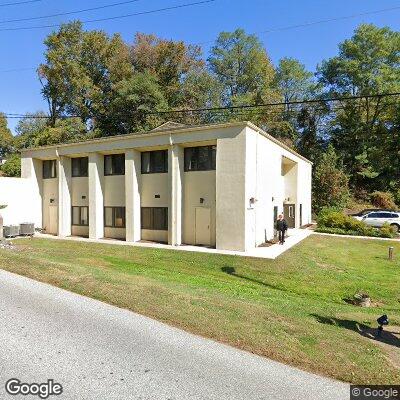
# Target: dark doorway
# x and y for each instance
(289, 214)
(301, 215)
(274, 220)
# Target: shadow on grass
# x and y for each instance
(231, 271)
(386, 336)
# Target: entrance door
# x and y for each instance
(202, 226)
(53, 220)
(289, 214)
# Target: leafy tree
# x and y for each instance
(301, 122)
(64, 131)
(28, 129)
(242, 66)
(367, 64)
(330, 184)
(12, 167)
(294, 81)
(81, 72)
(169, 61)
(6, 137)
(135, 98)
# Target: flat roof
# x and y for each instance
(177, 129)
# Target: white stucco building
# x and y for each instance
(213, 185)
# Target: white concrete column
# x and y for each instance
(64, 196)
(96, 196)
(175, 181)
(132, 193)
(232, 202)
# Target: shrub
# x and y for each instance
(330, 220)
(330, 184)
(12, 167)
(383, 200)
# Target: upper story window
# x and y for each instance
(155, 162)
(80, 166)
(49, 169)
(200, 158)
(114, 164)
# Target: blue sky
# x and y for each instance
(22, 50)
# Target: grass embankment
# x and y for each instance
(291, 309)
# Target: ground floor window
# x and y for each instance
(80, 216)
(114, 217)
(155, 218)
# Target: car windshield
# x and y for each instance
(365, 212)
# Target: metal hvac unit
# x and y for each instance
(27, 229)
(11, 231)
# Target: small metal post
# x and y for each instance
(391, 253)
(1, 230)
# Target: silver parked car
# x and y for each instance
(378, 218)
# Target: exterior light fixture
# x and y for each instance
(201, 200)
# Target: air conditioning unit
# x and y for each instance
(27, 229)
(11, 231)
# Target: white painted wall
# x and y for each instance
(230, 193)
(264, 182)
(16, 193)
(198, 184)
(248, 166)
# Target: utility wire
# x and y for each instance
(306, 24)
(112, 18)
(68, 12)
(18, 3)
(318, 22)
(230, 108)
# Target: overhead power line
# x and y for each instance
(283, 103)
(112, 18)
(230, 108)
(301, 25)
(6, 21)
(323, 21)
(318, 22)
(18, 3)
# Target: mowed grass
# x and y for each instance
(291, 309)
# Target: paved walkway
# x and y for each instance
(271, 252)
(97, 351)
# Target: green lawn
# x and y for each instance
(291, 309)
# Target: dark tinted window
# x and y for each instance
(394, 216)
(114, 164)
(154, 162)
(80, 216)
(384, 215)
(80, 166)
(200, 158)
(372, 215)
(154, 218)
(114, 217)
(49, 169)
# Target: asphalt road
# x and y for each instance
(97, 351)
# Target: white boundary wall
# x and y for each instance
(16, 193)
